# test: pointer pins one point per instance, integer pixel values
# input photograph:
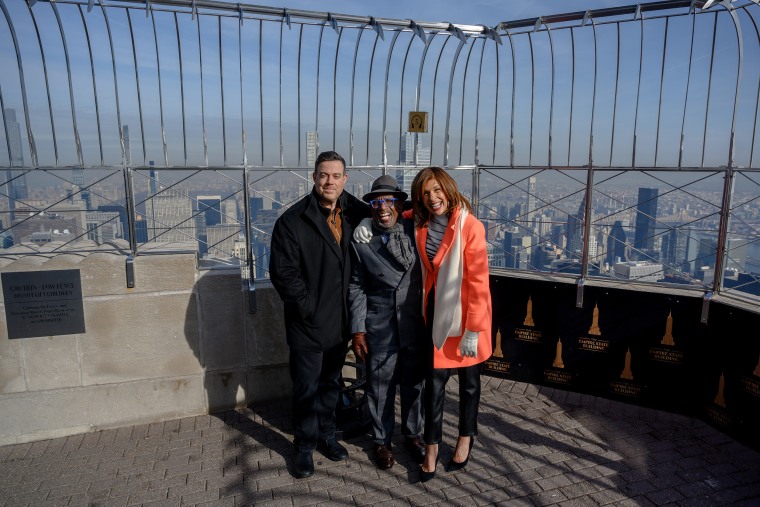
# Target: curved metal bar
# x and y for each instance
(464, 90)
(757, 100)
(242, 124)
(77, 140)
(477, 109)
(385, 100)
(181, 89)
(137, 85)
(709, 89)
(454, 64)
(551, 99)
(432, 108)
(572, 95)
(5, 129)
(401, 101)
(319, 64)
(512, 112)
(221, 93)
(282, 148)
(261, 91)
(369, 91)
(353, 87)
(203, 102)
(94, 84)
(615, 97)
(160, 92)
(496, 106)
(23, 83)
(593, 101)
(532, 98)
(298, 79)
(335, 85)
(118, 108)
(662, 83)
(638, 94)
(688, 85)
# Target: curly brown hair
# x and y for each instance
(450, 189)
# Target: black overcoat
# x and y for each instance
(311, 271)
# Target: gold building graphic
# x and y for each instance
(594, 329)
(558, 356)
(497, 352)
(627, 373)
(529, 313)
(719, 399)
(668, 338)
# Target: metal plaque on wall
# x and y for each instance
(43, 303)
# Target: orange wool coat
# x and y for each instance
(475, 294)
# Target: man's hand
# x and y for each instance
(360, 346)
(363, 231)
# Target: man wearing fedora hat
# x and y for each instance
(385, 319)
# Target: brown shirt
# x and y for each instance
(334, 222)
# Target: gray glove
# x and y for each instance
(363, 231)
(468, 345)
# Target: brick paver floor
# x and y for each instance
(536, 446)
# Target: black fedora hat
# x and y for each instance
(385, 185)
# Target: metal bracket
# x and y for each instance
(252, 306)
(130, 269)
(579, 292)
(706, 306)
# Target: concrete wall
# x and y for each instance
(180, 343)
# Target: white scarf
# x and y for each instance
(447, 320)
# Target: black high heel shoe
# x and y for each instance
(426, 476)
(453, 466)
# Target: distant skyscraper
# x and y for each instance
(210, 207)
(127, 150)
(531, 209)
(575, 231)
(15, 180)
(616, 246)
(77, 178)
(169, 218)
(312, 145)
(646, 218)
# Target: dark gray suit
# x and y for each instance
(385, 301)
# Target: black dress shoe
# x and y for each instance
(416, 449)
(453, 466)
(384, 457)
(332, 450)
(303, 465)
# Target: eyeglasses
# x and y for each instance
(378, 203)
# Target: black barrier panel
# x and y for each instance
(43, 303)
(644, 348)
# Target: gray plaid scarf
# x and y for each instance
(399, 244)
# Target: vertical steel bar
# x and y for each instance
(454, 63)
(203, 102)
(572, 95)
(242, 103)
(298, 80)
(279, 99)
(688, 85)
(335, 85)
(221, 91)
(496, 105)
(353, 88)
(593, 104)
(316, 105)
(160, 90)
(181, 89)
(130, 212)
(757, 99)
(551, 98)
(432, 108)
(662, 84)
(615, 97)
(512, 112)
(417, 96)
(401, 101)
(638, 94)
(385, 100)
(369, 93)
(464, 94)
(709, 89)
(5, 129)
(532, 98)
(261, 90)
(137, 85)
(476, 157)
(94, 84)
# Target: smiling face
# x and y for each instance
(329, 180)
(386, 216)
(433, 198)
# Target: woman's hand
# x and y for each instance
(468, 345)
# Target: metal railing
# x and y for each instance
(615, 143)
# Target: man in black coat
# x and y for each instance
(310, 269)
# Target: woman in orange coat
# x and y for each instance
(456, 306)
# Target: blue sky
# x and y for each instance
(475, 12)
